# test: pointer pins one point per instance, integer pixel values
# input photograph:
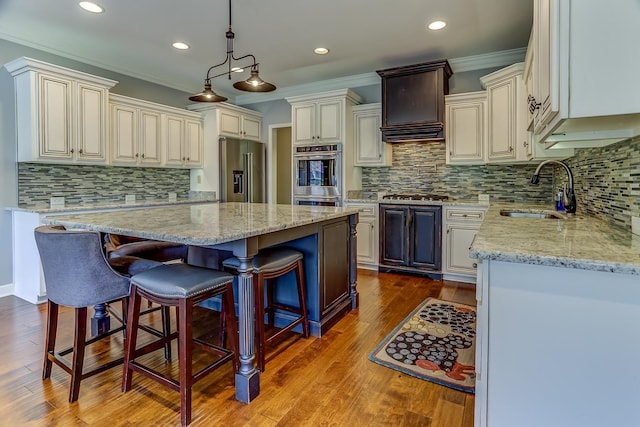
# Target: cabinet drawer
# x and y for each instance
(465, 214)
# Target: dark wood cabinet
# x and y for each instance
(413, 101)
(410, 237)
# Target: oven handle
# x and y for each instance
(327, 156)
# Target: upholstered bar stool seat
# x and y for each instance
(270, 264)
(181, 286)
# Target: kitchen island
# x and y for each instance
(326, 236)
(558, 329)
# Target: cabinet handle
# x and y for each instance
(136, 155)
(525, 144)
(533, 105)
(143, 155)
(188, 159)
(510, 149)
(80, 152)
(475, 265)
(72, 151)
(183, 159)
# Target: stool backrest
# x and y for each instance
(76, 272)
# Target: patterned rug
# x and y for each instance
(436, 342)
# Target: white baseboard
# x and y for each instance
(6, 290)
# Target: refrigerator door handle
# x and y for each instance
(248, 167)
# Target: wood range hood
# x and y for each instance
(413, 101)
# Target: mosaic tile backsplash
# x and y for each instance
(420, 167)
(606, 180)
(86, 185)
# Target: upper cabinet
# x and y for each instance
(322, 118)
(370, 149)
(62, 114)
(571, 104)
(144, 133)
(465, 130)
(240, 125)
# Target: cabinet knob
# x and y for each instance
(533, 105)
(475, 265)
(183, 159)
(136, 155)
(510, 149)
(80, 151)
(143, 155)
(72, 151)
(525, 144)
(188, 159)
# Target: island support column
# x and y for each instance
(247, 377)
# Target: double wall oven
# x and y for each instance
(318, 175)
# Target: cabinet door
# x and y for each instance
(459, 238)
(370, 149)
(91, 130)
(230, 124)
(335, 271)
(501, 121)
(546, 16)
(464, 128)
(367, 241)
(329, 122)
(55, 118)
(424, 237)
(304, 123)
(252, 128)
(175, 141)
(393, 235)
(193, 143)
(124, 134)
(150, 137)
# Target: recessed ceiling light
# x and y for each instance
(437, 25)
(321, 50)
(180, 45)
(237, 69)
(91, 7)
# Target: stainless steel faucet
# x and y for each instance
(570, 206)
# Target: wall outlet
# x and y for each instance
(483, 199)
(130, 198)
(57, 202)
(425, 169)
(173, 197)
(635, 225)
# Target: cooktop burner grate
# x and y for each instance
(422, 197)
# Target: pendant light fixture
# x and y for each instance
(253, 84)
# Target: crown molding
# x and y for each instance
(458, 65)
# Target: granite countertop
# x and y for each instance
(45, 209)
(456, 202)
(575, 242)
(202, 224)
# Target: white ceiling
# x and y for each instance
(134, 37)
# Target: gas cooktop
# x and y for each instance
(421, 197)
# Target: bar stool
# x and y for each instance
(181, 286)
(270, 264)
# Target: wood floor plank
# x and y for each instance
(308, 382)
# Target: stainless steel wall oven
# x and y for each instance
(318, 175)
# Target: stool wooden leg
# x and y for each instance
(132, 335)
(228, 314)
(50, 338)
(77, 361)
(185, 353)
(166, 330)
(302, 296)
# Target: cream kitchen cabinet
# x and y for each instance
(460, 226)
(321, 118)
(572, 106)
(183, 140)
(465, 130)
(367, 232)
(370, 149)
(62, 114)
(240, 124)
(508, 137)
(136, 132)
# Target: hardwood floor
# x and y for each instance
(314, 382)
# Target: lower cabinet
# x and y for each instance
(410, 237)
(460, 228)
(367, 234)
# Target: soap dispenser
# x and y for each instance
(559, 200)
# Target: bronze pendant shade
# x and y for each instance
(253, 84)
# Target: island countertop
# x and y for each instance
(576, 242)
(203, 224)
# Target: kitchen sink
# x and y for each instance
(530, 214)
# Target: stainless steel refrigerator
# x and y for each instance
(242, 170)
